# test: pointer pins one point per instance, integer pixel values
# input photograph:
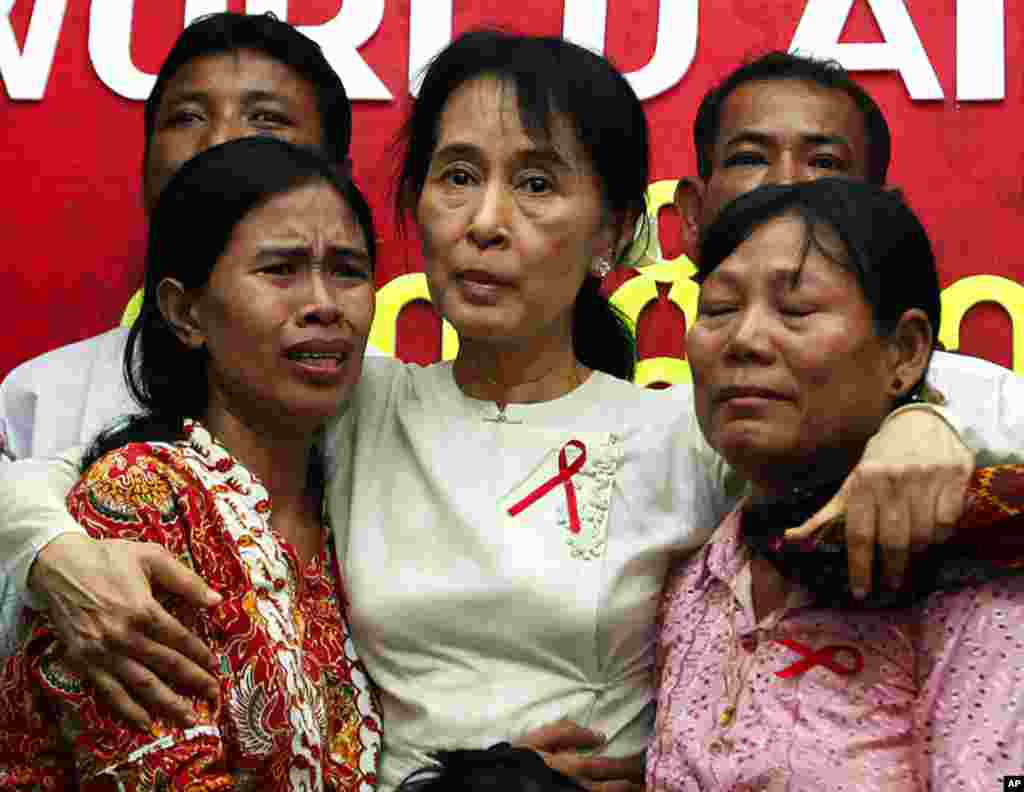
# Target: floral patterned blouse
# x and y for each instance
(296, 709)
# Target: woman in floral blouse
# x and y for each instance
(258, 302)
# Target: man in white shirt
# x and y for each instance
(227, 76)
(786, 118)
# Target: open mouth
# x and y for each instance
(320, 360)
(480, 287)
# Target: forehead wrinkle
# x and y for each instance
(304, 227)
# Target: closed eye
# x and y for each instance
(745, 158)
(715, 309)
(279, 268)
(282, 262)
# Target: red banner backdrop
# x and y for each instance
(948, 76)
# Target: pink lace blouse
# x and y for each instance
(926, 698)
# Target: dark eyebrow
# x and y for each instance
(201, 97)
(302, 251)
(546, 155)
(176, 97)
(454, 151)
(783, 278)
(357, 254)
(826, 140)
(286, 251)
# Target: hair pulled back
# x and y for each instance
(552, 79)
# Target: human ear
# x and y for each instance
(689, 200)
(615, 235)
(909, 349)
(179, 308)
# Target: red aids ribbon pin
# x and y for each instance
(826, 656)
(563, 477)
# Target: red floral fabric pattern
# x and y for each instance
(296, 709)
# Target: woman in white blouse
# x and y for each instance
(505, 521)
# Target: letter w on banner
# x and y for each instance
(110, 26)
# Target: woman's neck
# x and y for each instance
(511, 374)
(788, 499)
(279, 455)
(769, 590)
(774, 480)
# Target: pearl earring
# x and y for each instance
(601, 267)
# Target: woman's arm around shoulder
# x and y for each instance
(985, 402)
(98, 593)
(33, 512)
(136, 495)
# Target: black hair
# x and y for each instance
(228, 32)
(189, 230)
(786, 66)
(551, 77)
(500, 768)
(883, 243)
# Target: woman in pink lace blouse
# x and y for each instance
(773, 675)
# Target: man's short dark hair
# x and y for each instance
(229, 32)
(786, 66)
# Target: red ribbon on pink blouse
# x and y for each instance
(826, 656)
(563, 477)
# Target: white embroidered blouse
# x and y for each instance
(505, 573)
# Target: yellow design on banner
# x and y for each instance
(960, 297)
(391, 299)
